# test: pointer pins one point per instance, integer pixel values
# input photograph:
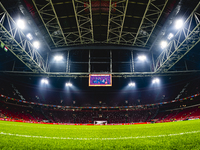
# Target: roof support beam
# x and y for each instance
(184, 40)
(110, 8)
(60, 28)
(18, 45)
(92, 32)
(61, 3)
(114, 74)
(149, 21)
(122, 25)
(84, 20)
(100, 47)
(98, 13)
(116, 22)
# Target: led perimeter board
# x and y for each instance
(100, 80)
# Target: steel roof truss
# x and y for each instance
(116, 19)
(48, 15)
(149, 21)
(185, 39)
(17, 43)
(84, 22)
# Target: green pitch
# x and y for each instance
(175, 135)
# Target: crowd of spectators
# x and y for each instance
(37, 113)
(20, 112)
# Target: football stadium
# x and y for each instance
(100, 74)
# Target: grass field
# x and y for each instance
(175, 135)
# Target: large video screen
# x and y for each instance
(100, 80)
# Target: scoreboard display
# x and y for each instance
(100, 80)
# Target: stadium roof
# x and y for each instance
(64, 23)
(126, 27)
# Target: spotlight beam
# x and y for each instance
(68, 84)
(131, 84)
(156, 81)
(163, 44)
(179, 24)
(29, 36)
(21, 24)
(58, 57)
(142, 57)
(44, 81)
(36, 44)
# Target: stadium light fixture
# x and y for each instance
(179, 23)
(58, 57)
(142, 57)
(131, 84)
(21, 24)
(29, 36)
(68, 84)
(155, 80)
(44, 81)
(163, 44)
(170, 36)
(36, 44)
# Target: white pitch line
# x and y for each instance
(119, 138)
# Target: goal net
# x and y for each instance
(101, 122)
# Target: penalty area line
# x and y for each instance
(118, 138)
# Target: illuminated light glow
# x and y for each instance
(58, 58)
(21, 24)
(29, 36)
(163, 44)
(155, 80)
(45, 81)
(131, 84)
(179, 24)
(170, 36)
(68, 84)
(36, 44)
(142, 57)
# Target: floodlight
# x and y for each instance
(155, 80)
(36, 44)
(29, 36)
(68, 84)
(163, 44)
(58, 57)
(179, 23)
(142, 57)
(45, 81)
(170, 36)
(21, 24)
(131, 84)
